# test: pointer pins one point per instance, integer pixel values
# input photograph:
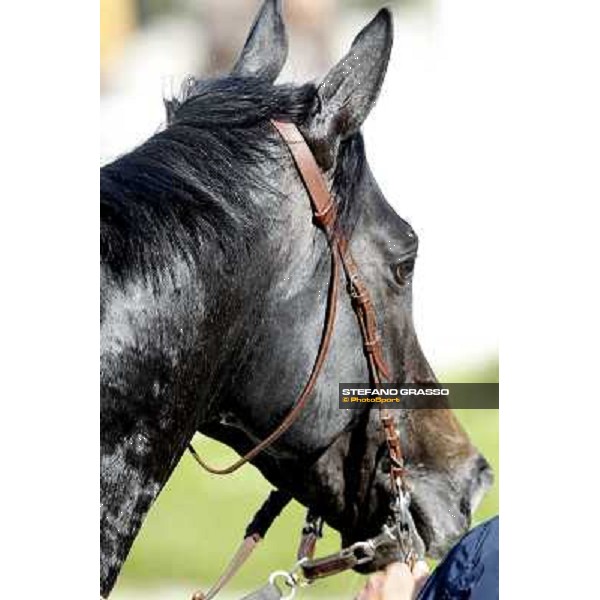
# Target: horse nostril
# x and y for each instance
(482, 478)
(465, 507)
(485, 475)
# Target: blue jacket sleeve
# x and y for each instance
(470, 570)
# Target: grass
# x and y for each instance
(198, 520)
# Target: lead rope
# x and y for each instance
(255, 533)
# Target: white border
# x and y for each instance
(538, 68)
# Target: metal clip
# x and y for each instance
(404, 529)
(313, 524)
(288, 579)
(402, 520)
(297, 575)
(363, 552)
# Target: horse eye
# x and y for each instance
(404, 270)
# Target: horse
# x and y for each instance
(214, 283)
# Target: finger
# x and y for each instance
(376, 586)
(377, 581)
(399, 582)
(362, 595)
(420, 573)
(421, 569)
(372, 589)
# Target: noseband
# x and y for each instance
(324, 214)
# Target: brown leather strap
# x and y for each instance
(311, 533)
(307, 546)
(308, 388)
(323, 205)
(328, 565)
(348, 558)
(324, 213)
(365, 311)
(322, 201)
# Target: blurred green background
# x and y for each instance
(199, 519)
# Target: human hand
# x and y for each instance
(397, 582)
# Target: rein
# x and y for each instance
(401, 531)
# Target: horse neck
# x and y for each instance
(157, 373)
(152, 404)
(132, 473)
(148, 413)
(127, 493)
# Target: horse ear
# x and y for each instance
(350, 90)
(266, 48)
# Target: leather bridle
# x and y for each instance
(324, 214)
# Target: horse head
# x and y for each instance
(214, 287)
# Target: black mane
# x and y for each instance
(190, 184)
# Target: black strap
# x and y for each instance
(267, 513)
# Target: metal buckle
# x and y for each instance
(313, 525)
(352, 287)
(363, 552)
